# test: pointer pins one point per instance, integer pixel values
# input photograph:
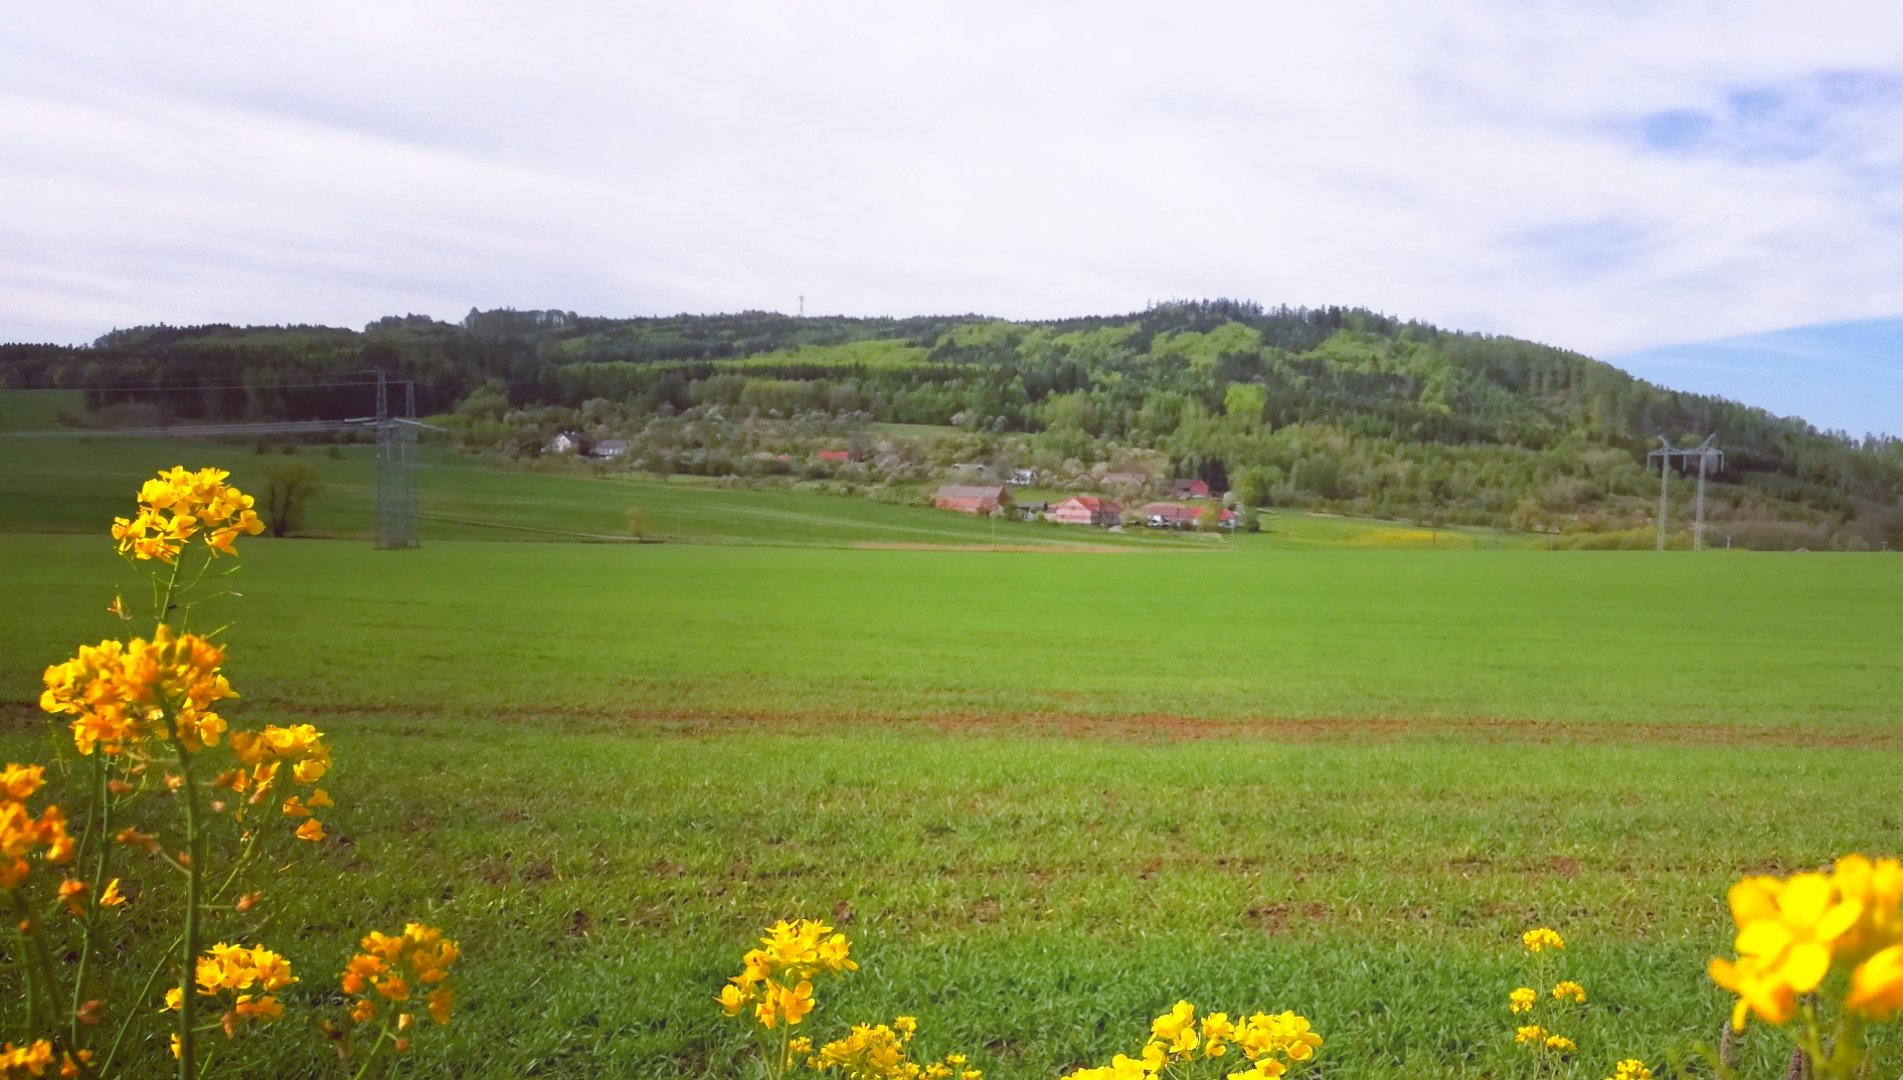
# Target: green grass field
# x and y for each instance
(1054, 792)
(1047, 793)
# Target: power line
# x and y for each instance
(161, 385)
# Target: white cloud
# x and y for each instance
(1481, 165)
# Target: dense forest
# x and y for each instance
(1333, 408)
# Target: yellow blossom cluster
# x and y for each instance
(1630, 1069)
(776, 978)
(1540, 939)
(1793, 932)
(1539, 1038)
(21, 832)
(245, 979)
(120, 692)
(38, 1058)
(878, 1052)
(176, 505)
(264, 756)
(1268, 1043)
(395, 968)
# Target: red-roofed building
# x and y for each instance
(1085, 510)
(836, 457)
(1189, 489)
(1160, 515)
(972, 499)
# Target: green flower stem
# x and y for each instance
(383, 1033)
(100, 814)
(194, 913)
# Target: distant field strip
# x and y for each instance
(1779, 641)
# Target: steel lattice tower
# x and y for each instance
(1706, 454)
(396, 469)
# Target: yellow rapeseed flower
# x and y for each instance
(1541, 939)
(1560, 1044)
(1568, 990)
(123, 691)
(38, 1058)
(1530, 1033)
(389, 965)
(1630, 1069)
(1176, 1029)
(1522, 1000)
(1876, 985)
(176, 505)
(1791, 925)
(22, 833)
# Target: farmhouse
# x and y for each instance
(1084, 510)
(568, 442)
(972, 499)
(1161, 515)
(1022, 477)
(610, 448)
(1189, 489)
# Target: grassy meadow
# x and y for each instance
(1046, 793)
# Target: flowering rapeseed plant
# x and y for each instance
(776, 983)
(145, 718)
(1630, 1069)
(1819, 953)
(395, 971)
(1535, 1010)
(878, 1052)
(1265, 1046)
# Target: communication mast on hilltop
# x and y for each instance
(1706, 454)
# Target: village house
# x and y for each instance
(1189, 489)
(1085, 510)
(610, 448)
(568, 442)
(1022, 478)
(1162, 515)
(979, 499)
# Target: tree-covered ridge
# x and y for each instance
(1333, 407)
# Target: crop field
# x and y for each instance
(1046, 794)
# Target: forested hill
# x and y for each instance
(1329, 407)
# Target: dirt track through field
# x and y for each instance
(689, 723)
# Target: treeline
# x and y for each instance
(1337, 407)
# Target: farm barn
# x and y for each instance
(1161, 515)
(1085, 510)
(972, 498)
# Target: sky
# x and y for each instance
(1710, 195)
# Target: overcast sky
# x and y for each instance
(1610, 177)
